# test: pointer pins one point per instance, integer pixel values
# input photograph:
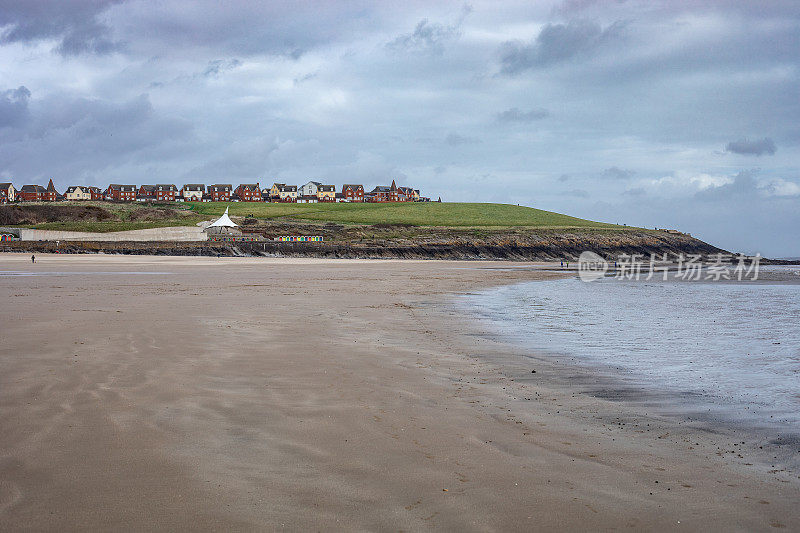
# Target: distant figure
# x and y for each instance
(33, 258)
(562, 264)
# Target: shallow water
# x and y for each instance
(733, 347)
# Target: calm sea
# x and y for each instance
(733, 348)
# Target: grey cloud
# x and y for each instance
(743, 184)
(426, 37)
(454, 139)
(556, 43)
(67, 137)
(14, 106)
(618, 173)
(515, 114)
(307, 77)
(429, 37)
(75, 23)
(563, 177)
(218, 66)
(758, 147)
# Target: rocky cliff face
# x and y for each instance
(413, 243)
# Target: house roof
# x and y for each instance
(6, 185)
(166, 187)
(220, 186)
(148, 188)
(194, 187)
(327, 188)
(351, 186)
(317, 183)
(288, 188)
(33, 188)
(122, 188)
(249, 185)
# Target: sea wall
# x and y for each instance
(170, 234)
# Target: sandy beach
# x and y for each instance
(235, 394)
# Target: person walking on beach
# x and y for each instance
(33, 258)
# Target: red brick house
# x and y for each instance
(51, 194)
(120, 193)
(146, 192)
(353, 193)
(249, 192)
(31, 193)
(220, 192)
(393, 193)
(97, 194)
(165, 192)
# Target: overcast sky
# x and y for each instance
(676, 114)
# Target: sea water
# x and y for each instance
(731, 348)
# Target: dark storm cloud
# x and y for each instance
(74, 23)
(81, 136)
(515, 114)
(556, 43)
(758, 147)
(14, 106)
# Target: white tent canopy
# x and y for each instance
(223, 222)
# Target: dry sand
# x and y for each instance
(142, 393)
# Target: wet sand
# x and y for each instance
(256, 394)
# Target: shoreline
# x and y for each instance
(767, 448)
(303, 393)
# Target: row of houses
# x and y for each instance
(311, 192)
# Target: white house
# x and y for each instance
(309, 189)
(78, 192)
(193, 192)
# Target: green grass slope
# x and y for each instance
(416, 214)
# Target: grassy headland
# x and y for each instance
(413, 214)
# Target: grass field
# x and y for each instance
(416, 214)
